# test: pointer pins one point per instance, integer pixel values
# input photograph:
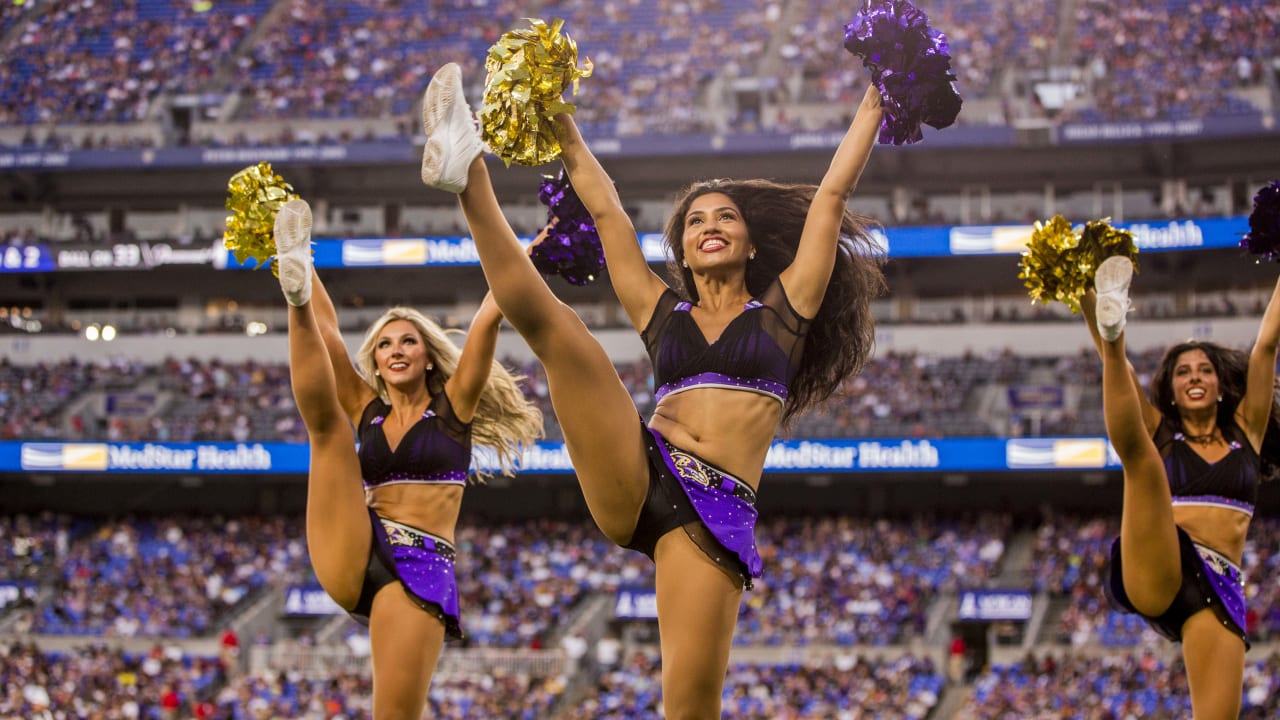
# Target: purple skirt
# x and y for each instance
(724, 504)
(1209, 582)
(424, 565)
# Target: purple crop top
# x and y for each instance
(758, 351)
(1232, 482)
(436, 450)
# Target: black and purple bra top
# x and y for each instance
(1231, 482)
(436, 450)
(758, 351)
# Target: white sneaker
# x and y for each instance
(453, 140)
(1111, 282)
(293, 250)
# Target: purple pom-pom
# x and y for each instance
(571, 247)
(1263, 238)
(910, 63)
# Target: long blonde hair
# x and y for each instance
(505, 421)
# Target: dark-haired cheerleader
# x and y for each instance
(1192, 463)
(771, 312)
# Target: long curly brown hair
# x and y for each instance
(1232, 368)
(842, 334)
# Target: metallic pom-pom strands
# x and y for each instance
(529, 72)
(254, 195)
(1060, 261)
(911, 65)
(571, 247)
(1263, 238)
(1044, 268)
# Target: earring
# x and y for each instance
(1219, 398)
(752, 256)
(430, 366)
(377, 373)
(684, 263)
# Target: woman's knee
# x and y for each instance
(339, 571)
(1151, 593)
(618, 530)
(339, 584)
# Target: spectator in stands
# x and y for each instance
(417, 403)
(782, 276)
(1191, 458)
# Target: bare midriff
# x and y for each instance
(731, 429)
(431, 508)
(1220, 529)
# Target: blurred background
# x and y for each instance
(933, 537)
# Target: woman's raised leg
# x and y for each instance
(1151, 561)
(338, 533)
(595, 411)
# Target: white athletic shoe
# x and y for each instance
(293, 250)
(453, 140)
(1111, 282)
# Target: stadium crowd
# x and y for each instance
(1139, 684)
(846, 687)
(84, 63)
(198, 400)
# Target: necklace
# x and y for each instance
(1208, 438)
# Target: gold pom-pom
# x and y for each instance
(1059, 262)
(1046, 266)
(1099, 241)
(529, 72)
(254, 195)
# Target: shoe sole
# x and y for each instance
(439, 102)
(292, 232)
(441, 95)
(1113, 275)
(1111, 283)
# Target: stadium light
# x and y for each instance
(254, 328)
(91, 333)
(108, 333)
